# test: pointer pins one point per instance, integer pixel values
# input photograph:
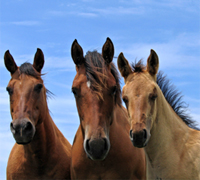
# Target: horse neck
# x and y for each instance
(44, 139)
(168, 133)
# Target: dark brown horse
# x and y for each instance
(102, 148)
(40, 151)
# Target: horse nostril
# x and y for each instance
(87, 147)
(28, 126)
(145, 134)
(97, 149)
(12, 128)
(131, 134)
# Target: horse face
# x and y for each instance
(140, 97)
(95, 101)
(140, 100)
(27, 100)
(96, 115)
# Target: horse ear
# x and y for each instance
(123, 66)
(10, 62)
(38, 62)
(77, 53)
(152, 63)
(108, 50)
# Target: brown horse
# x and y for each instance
(159, 122)
(102, 148)
(40, 151)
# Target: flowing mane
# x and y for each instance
(171, 94)
(174, 98)
(96, 73)
(27, 68)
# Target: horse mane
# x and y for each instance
(138, 66)
(174, 98)
(96, 72)
(28, 69)
(171, 94)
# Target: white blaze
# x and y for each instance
(88, 84)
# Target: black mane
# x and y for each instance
(138, 66)
(174, 98)
(27, 68)
(96, 72)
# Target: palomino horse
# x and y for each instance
(40, 151)
(102, 148)
(159, 123)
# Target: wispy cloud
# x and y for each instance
(172, 53)
(118, 10)
(4, 100)
(187, 6)
(65, 63)
(86, 14)
(19, 59)
(83, 13)
(26, 23)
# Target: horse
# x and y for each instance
(159, 122)
(41, 151)
(101, 148)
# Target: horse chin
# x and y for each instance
(23, 143)
(96, 158)
(138, 145)
(24, 140)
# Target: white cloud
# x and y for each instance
(4, 100)
(86, 14)
(19, 59)
(187, 6)
(65, 63)
(172, 54)
(26, 23)
(118, 10)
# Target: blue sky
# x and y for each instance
(171, 28)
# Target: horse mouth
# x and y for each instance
(23, 143)
(23, 140)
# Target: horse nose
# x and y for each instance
(22, 130)
(138, 138)
(131, 134)
(97, 149)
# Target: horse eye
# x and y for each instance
(10, 90)
(75, 91)
(38, 88)
(114, 90)
(126, 101)
(153, 96)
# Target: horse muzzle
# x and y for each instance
(97, 149)
(140, 138)
(23, 130)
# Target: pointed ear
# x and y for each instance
(108, 50)
(152, 63)
(77, 53)
(123, 66)
(10, 62)
(38, 62)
